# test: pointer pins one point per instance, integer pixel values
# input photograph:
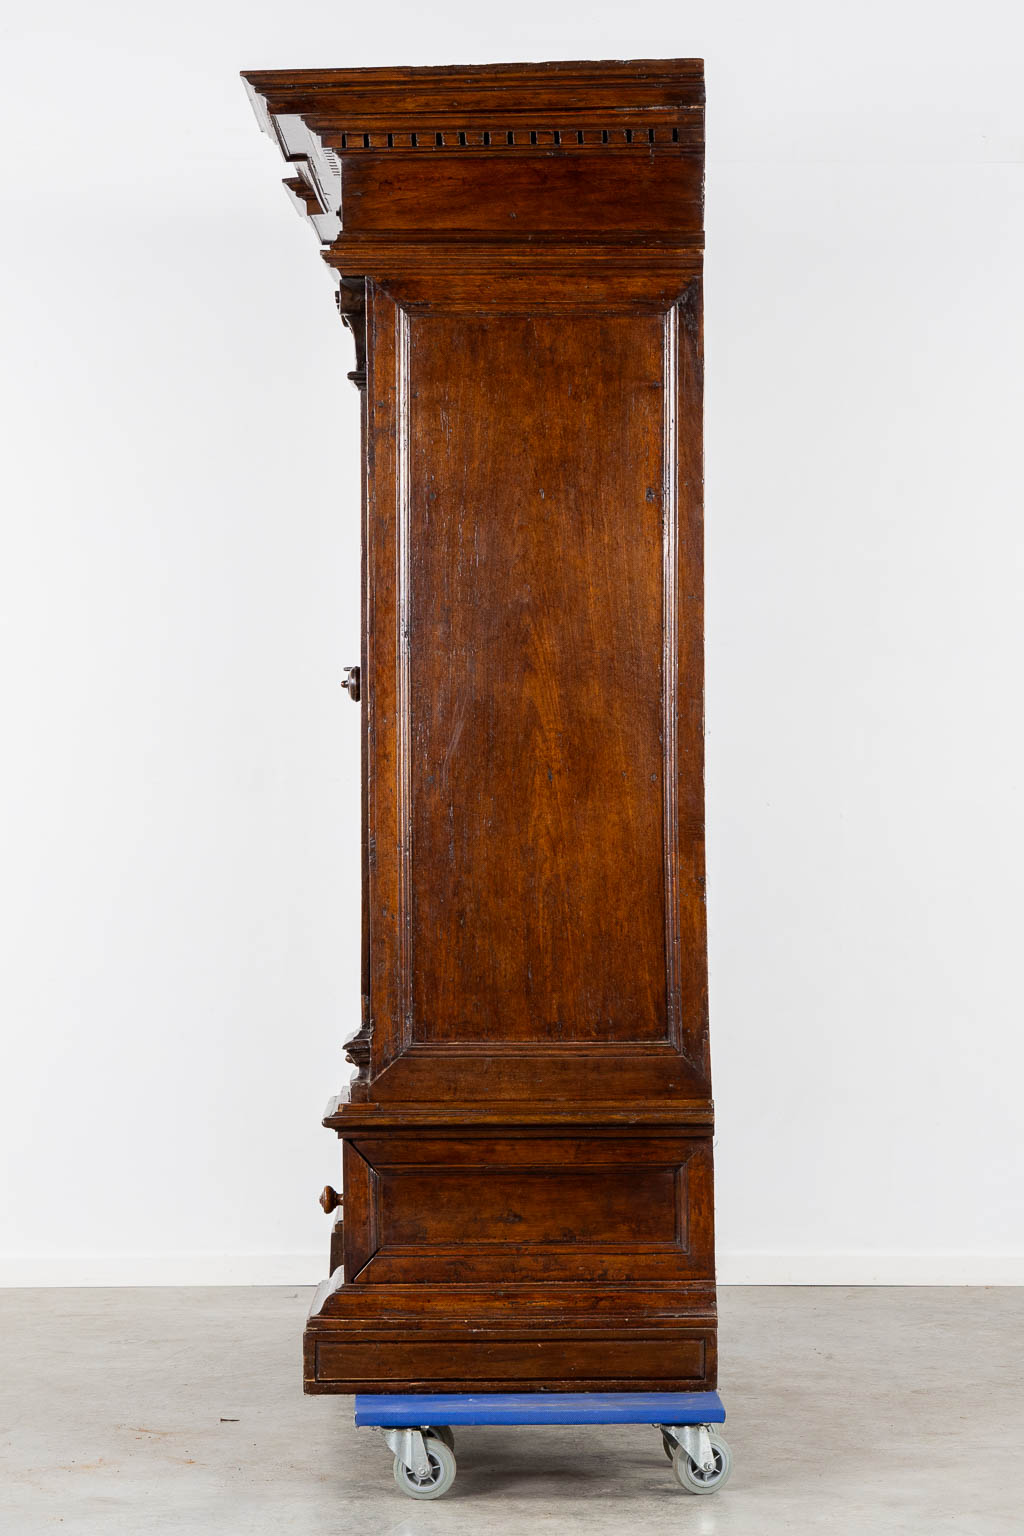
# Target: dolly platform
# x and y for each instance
(418, 1428)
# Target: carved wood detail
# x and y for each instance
(351, 302)
(639, 135)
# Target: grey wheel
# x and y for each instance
(444, 1433)
(431, 1484)
(695, 1479)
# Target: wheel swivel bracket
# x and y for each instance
(695, 1440)
(409, 1446)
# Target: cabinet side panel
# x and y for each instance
(536, 635)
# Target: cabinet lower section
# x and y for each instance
(483, 1257)
(457, 1338)
(608, 1205)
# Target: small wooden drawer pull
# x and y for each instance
(330, 1199)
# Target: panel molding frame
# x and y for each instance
(684, 1258)
(403, 538)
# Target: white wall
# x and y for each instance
(179, 919)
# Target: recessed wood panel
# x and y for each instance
(524, 1208)
(536, 622)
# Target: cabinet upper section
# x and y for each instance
(403, 171)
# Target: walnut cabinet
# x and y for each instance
(526, 1145)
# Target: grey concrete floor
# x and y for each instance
(850, 1411)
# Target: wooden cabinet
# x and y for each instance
(527, 1142)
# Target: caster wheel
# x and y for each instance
(668, 1445)
(443, 1433)
(433, 1483)
(694, 1479)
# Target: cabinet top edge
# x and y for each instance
(414, 147)
(511, 76)
(601, 86)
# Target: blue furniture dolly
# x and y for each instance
(418, 1428)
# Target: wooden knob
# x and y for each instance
(330, 1199)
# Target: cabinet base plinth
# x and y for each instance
(565, 1338)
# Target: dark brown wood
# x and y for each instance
(337, 1244)
(559, 1337)
(527, 1142)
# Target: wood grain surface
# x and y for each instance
(527, 1141)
